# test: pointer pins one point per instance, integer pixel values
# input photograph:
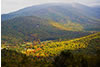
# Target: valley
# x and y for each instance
(51, 35)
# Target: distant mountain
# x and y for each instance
(28, 28)
(96, 9)
(50, 22)
(55, 7)
(62, 13)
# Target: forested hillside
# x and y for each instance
(49, 22)
(51, 35)
(23, 29)
(78, 52)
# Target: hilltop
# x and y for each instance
(86, 16)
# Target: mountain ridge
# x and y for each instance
(23, 27)
(61, 13)
(51, 20)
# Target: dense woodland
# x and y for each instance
(79, 52)
(23, 29)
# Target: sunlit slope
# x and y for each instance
(68, 26)
(44, 54)
(87, 44)
(90, 42)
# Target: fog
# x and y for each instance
(13, 5)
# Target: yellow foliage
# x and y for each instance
(69, 26)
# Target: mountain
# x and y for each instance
(62, 13)
(51, 8)
(50, 22)
(28, 28)
(96, 9)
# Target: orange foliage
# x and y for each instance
(38, 49)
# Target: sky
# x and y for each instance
(8, 6)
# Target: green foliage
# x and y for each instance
(84, 52)
(16, 59)
(67, 59)
(22, 29)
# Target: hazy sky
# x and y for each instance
(13, 5)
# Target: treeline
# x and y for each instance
(84, 52)
(64, 59)
(67, 59)
(17, 38)
(11, 58)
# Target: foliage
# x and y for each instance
(84, 52)
(69, 26)
(67, 59)
(26, 29)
